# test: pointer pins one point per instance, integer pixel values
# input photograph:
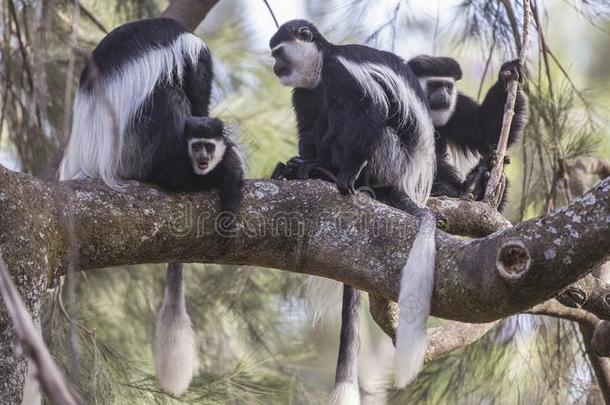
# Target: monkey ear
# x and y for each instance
(305, 34)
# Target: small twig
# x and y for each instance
(271, 12)
(90, 16)
(22, 47)
(48, 373)
(70, 71)
(492, 194)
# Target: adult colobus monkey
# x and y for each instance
(140, 113)
(467, 132)
(363, 117)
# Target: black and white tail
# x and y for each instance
(346, 390)
(416, 285)
(175, 348)
(413, 173)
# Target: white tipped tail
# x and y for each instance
(323, 298)
(416, 287)
(175, 348)
(345, 393)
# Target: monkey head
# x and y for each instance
(206, 143)
(297, 49)
(437, 77)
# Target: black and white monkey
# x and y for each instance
(467, 132)
(363, 118)
(141, 113)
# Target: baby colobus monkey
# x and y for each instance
(467, 132)
(362, 118)
(141, 113)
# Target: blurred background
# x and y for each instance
(255, 339)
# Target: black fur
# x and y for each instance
(173, 169)
(424, 65)
(339, 129)
(133, 40)
(338, 126)
(174, 113)
(473, 127)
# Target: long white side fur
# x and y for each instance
(102, 116)
(323, 299)
(417, 172)
(375, 79)
(416, 286)
(175, 347)
(345, 393)
(462, 160)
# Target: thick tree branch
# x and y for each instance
(351, 239)
(303, 227)
(189, 12)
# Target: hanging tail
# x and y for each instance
(346, 390)
(416, 287)
(175, 349)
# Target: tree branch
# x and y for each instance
(304, 227)
(48, 374)
(353, 240)
(494, 190)
(189, 12)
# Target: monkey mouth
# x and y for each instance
(202, 165)
(281, 70)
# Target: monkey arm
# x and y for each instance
(230, 189)
(491, 111)
(355, 127)
(309, 124)
(306, 106)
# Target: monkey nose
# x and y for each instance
(280, 69)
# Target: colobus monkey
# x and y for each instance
(363, 118)
(140, 113)
(467, 132)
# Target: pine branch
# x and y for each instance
(493, 193)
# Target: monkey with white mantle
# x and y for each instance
(141, 113)
(467, 132)
(363, 119)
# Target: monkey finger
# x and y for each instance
(279, 173)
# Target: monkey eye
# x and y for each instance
(304, 34)
(210, 147)
(196, 147)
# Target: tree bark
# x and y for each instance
(305, 227)
(189, 12)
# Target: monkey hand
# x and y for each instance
(280, 172)
(346, 182)
(299, 168)
(512, 70)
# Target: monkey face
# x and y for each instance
(205, 154)
(206, 143)
(442, 96)
(296, 53)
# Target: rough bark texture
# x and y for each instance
(304, 227)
